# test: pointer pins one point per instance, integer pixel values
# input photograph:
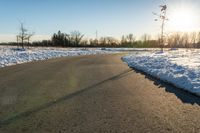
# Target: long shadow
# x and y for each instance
(21, 115)
(185, 96)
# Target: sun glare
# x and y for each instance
(183, 20)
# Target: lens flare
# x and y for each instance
(184, 20)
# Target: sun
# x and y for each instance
(183, 20)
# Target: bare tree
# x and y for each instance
(23, 35)
(176, 37)
(111, 41)
(198, 37)
(193, 37)
(102, 41)
(84, 42)
(130, 38)
(162, 16)
(76, 37)
(185, 40)
(146, 38)
(123, 40)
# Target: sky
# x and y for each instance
(108, 17)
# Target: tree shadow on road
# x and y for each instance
(185, 96)
(26, 113)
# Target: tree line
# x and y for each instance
(77, 39)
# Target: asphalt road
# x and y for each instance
(91, 94)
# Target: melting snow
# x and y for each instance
(10, 55)
(179, 67)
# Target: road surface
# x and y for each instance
(89, 94)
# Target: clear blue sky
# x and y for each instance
(109, 17)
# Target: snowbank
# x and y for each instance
(178, 67)
(10, 55)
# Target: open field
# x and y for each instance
(12, 55)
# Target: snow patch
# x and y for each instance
(10, 55)
(178, 67)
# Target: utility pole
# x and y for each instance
(18, 41)
(163, 18)
(96, 35)
(96, 40)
